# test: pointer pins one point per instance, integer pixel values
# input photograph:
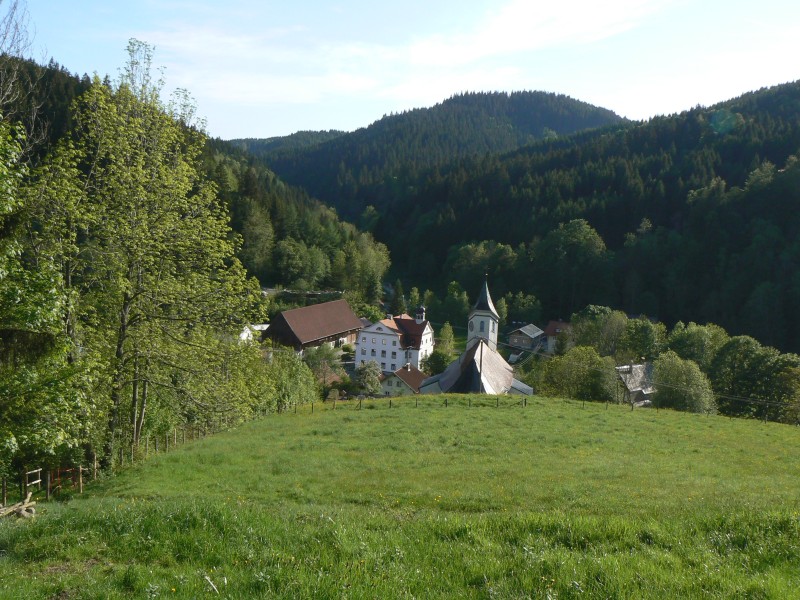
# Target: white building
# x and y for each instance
(396, 341)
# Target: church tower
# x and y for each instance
(484, 321)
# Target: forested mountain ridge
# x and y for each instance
(373, 164)
(296, 141)
(658, 246)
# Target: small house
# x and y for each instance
(332, 323)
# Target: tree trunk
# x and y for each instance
(117, 382)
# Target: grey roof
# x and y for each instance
(532, 331)
(637, 378)
(479, 370)
(485, 301)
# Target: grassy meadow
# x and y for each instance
(549, 500)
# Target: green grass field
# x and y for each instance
(551, 500)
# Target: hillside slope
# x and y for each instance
(549, 499)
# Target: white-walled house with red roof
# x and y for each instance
(396, 341)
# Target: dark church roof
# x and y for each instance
(484, 302)
(479, 370)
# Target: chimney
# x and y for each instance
(389, 316)
(408, 366)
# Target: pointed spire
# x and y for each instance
(484, 302)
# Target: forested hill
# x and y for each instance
(290, 239)
(692, 216)
(296, 141)
(348, 171)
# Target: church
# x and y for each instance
(480, 369)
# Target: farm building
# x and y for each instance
(331, 323)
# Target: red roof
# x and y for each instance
(555, 327)
(411, 376)
(408, 329)
(316, 322)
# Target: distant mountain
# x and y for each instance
(296, 141)
(347, 171)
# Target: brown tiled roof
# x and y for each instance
(320, 321)
(411, 331)
(411, 376)
(407, 328)
(555, 327)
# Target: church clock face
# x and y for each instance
(472, 325)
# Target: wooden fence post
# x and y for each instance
(80, 479)
(47, 484)
(94, 466)
(390, 402)
(184, 435)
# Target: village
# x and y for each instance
(396, 347)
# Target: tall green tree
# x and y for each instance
(144, 246)
(680, 384)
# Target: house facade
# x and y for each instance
(552, 332)
(405, 381)
(526, 338)
(396, 341)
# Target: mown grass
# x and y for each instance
(548, 500)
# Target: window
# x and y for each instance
(493, 324)
(394, 367)
(394, 342)
(482, 326)
(383, 341)
(363, 339)
(383, 366)
(373, 353)
(373, 340)
(363, 352)
(394, 354)
(383, 353)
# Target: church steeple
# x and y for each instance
(483, 319)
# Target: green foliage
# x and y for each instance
(398, 303)
(642, 340)
(436, 362)
(325, 362)
(680, 384)
(599, 327)
(367, 378)
(446, 340)
(580, 373)
(699, 343)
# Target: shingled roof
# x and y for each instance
(484, 301)
(479, 370)
(309, 324)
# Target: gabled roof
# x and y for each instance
(318, 321)
(479, 370)
(532, 331)
(407, 328)
(411, 331)
(637, 378)
(411, 376)
(484, 301)
(555, 327)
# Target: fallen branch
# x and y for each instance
(22, 509)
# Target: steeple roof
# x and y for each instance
(484, 302)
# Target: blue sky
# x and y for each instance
(267, 68)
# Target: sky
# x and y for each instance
(264, 68)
